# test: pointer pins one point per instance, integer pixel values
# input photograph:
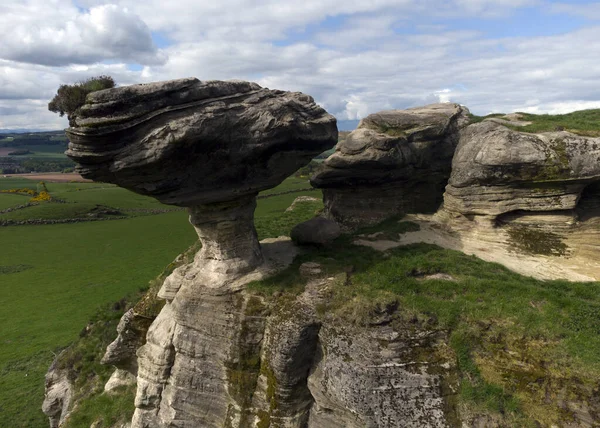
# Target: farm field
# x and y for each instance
(52, 177)
(54, 278)
(38, 151)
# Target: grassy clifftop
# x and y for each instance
(583, 122)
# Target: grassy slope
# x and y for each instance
(75, 268)
(56, 277)
(80, 198)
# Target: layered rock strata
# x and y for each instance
(187, 142)
(395, 162)
(499, 174)
(211, 147)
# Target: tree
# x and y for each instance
(69, 98)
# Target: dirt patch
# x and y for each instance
(4, 151)
(52, 177)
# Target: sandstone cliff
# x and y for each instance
(271, 334)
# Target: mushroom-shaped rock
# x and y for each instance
(499, 171)
(210, 146)
(395, 162)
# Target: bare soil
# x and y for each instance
(53, 177)
(4, 151)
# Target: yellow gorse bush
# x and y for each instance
(22, 191)
(43, 196)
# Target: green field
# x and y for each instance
(12, 200)
(53, 278)
(42, 151)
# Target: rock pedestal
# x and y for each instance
(210, 147)
(229, 239)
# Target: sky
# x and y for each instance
(355, 57)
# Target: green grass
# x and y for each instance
(7, 183)
(292, 183)
(53, 211)
(583, 122)
(109, 409)
(8, 200)
(44, 152)
(271, 219)
(53, 278)
(76, 268)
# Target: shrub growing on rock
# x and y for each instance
(69, 98)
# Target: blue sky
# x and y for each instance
(354, 57)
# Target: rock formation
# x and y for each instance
(58, 395)
(499, 174)
(131, 331)
(395, 162)
(211, 147)
(219, 355)
(316, 231)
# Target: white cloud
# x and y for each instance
(584, 10)
(369, 56)
(443, 95)
(561, 107)
(48, 33)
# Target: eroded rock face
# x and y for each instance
(211, 147)
(187, 142)
(202, 355)
(58, 394)
(131, 332)
(395, 162)
(383, 376)
(498, 173)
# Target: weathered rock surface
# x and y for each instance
(211, 147)
(118, 379)
(131, 332)
(395, 162)
(187, 142)
(316, 231)
(58, 394)
(498, 173)
(383, 376)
